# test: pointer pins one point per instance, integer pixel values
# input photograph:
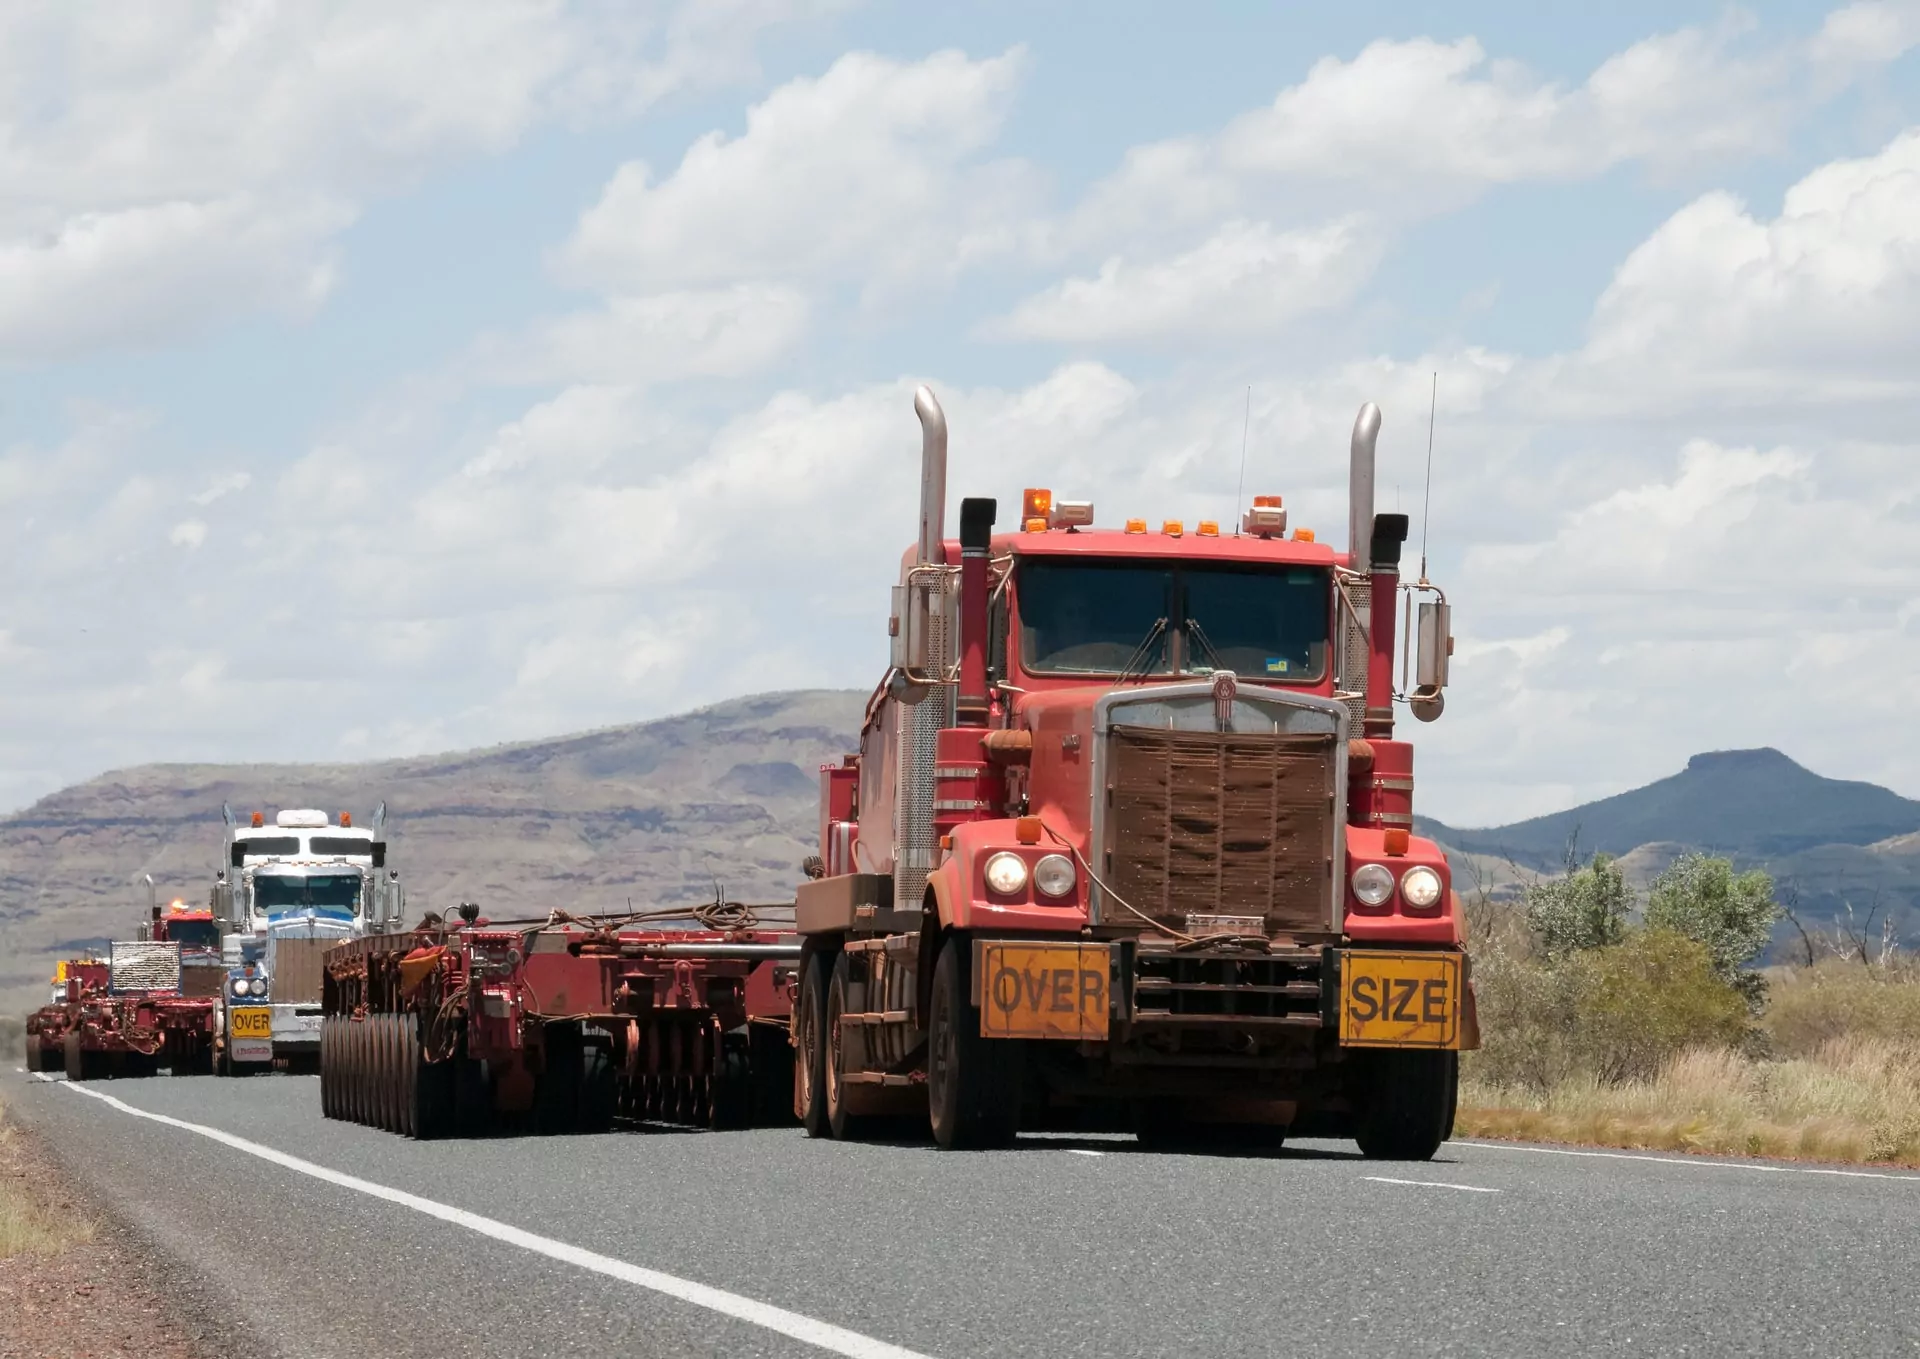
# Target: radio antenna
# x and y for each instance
(1240, 491)
(1426, 502)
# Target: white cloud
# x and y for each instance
(141, 274)
(720, 332)
(1247, 278)
(1818, 304)
(189, 533)
(1869, 33)
(867, 170)
(226, 484)
(173, 168)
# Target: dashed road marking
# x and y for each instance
(820, 1334)
(1082, 1151)
(1432, 1184)
(1696, 1162)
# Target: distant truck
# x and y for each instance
(288, 892)
(152, 1003)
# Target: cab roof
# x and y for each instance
(1189, 546)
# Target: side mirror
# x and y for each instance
(379, 853)
(1435, 650)
(237, 854)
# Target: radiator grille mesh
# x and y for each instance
(1222, 823)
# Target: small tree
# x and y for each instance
(1731, 914)
(1586, 909)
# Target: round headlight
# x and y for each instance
(1006, 873)
(1372, 883)
(239, 986)
(1420, 887)
(259, 987)
(1054, 875)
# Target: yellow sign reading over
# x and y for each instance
(1043, 990)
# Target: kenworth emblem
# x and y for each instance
(1226, 688)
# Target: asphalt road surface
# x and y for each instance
(329, 1239)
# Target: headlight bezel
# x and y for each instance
(238, 987)
(1378, 887)
(1429, 886)
(257, 987)
(1054, 864)
(1014, 875)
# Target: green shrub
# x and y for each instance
(1651, 998)
(1611, 1014)
(1732, 915)
(1586, 909)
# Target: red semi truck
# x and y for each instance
(150, 1004)
(1128, 838)
(673, 1015)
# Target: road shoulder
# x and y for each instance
(95, 1286)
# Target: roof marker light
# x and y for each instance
(1303, 535)
(1136, 526)
(259, 820)
(1208, 528)
(1173, 528)
(1036, 525)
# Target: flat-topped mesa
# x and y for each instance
(1163, 763)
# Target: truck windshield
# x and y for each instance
(338, 846)
(341, 891)
(1094, 617)
(194, 933)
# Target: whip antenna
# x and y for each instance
(1426, 502)
(1240, 491)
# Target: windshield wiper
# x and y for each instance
(1143, 652)
(1199, 635)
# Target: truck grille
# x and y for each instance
(1231, 823)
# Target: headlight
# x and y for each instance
(1372, 883)
(1420, 888)
(259, 987)
(1007, 873)
(1054, 875)
(239, 986)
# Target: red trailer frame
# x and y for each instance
(565, 1022)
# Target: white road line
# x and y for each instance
(821, 1334)
(1082, 1151)
(1432, 1184)
(1697, 1162)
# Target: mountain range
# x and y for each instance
(725, 799)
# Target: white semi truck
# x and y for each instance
(288, 892)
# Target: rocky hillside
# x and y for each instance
(655, 812)
(1831, 844)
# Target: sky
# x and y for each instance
(378, 380)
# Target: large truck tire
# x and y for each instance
(845, 1125)
(973, 1083)
(75, 1059)
(557, 1089)
(1406, 1106)
(810, 1057)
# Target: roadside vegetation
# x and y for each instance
(33, 1221)
(1644, 1022)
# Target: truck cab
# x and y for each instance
(289, 891)
(1129, 833)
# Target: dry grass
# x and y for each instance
(1853, 1098)
(32, 1219)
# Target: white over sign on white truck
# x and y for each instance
(289, 891)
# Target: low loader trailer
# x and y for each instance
(153, 1003)
(564, 1023)
(1128, 839)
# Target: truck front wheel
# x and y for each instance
(1406, 1103)
(810, 1038)
(973, 1083)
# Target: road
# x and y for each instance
(326, 1239)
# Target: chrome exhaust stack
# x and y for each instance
(1366, 433)
(933, 477)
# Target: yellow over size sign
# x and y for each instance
(1042, 990)
(251, 1021)
(1400, 1000)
